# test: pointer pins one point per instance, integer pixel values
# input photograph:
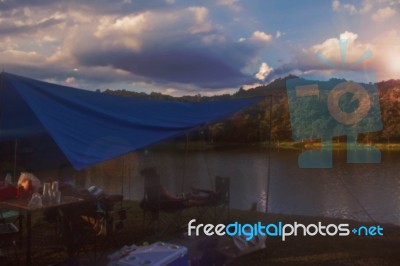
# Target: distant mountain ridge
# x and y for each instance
(252, 125)
(276, 87)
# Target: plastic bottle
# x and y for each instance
(8, 179)
(46, 197)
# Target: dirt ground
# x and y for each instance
(49, 249)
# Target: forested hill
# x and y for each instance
(252, 125)
(277, 87)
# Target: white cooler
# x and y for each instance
(157, 254)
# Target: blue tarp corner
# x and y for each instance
(92, 127)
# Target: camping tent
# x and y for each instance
(92, 127)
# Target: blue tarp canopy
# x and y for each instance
(91, 127)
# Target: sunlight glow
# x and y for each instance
(393, 64)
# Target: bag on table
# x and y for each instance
(7, 191)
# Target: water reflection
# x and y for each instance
(354, 191)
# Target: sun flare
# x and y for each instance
(393, 65)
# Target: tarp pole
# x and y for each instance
(269, 155)
(15, 158)
(184, 162)
(1, 99)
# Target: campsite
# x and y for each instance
(182, 169)
(191, 133)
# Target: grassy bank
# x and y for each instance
(335, 145)
(318, 250)
(285, 145)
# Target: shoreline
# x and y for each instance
(284, 145)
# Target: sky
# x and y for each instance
(186, 47)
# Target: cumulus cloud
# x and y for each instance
(335, 5)
(176, 49)
(100, 7)
(307, 62)
(251, 86)
(169, 47)
(232, 4)
(279, 34)
(330, 48)
(352, 9)
(71, 81)
(30, 57)
(201, 21)
(366, 7)
(13, 27)
(263, 71)
(260, 36)
(383, 14)
(162, 45)
(133, 30)
(179, 48)
(381, 56)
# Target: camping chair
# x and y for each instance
(100, 224)
(163, 213)
(110, 221)
(92, 230)
(9, 233)
(217, 209)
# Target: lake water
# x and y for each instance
(355, 191)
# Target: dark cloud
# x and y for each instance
(98, 6)
(185, 61)
(11, 28)
(179, 45)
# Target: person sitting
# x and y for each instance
(28, 184)
(156, 196)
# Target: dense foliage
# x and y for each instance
(253, 124)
